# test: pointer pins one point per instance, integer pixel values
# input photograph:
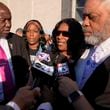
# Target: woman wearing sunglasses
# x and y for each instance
(68, 39)
(69, 42)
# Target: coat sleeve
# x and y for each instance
(5, 107)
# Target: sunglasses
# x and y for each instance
(64, 33)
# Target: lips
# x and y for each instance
(6, 31)
(87, 32)
(31, 40)
(60, 43)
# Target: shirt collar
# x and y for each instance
(105, 46)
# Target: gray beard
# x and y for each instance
(96, 38)
(92, 40)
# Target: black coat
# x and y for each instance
(97, 87)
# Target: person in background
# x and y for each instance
(34, 35)
(92, 86)
(49, 43)
(68, 39)
(14, 58)
(19, 32)
(36, 41)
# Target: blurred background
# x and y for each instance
(48, 12)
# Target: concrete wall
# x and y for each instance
(48, 12)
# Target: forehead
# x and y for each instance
(63, 26)
(5, 13)
(34, 25)
(93, 6)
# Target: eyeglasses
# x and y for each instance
(64, 33)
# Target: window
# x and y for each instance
(79, 9)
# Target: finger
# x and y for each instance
(37, 92)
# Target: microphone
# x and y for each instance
(62, 68)
(43, 69)
(43, 63)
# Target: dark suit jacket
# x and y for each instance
(20, 59)
(97, 88)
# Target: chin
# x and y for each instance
(92, 40)
(5, 35)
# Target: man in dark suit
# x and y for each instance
(93, 68)
(16, 53)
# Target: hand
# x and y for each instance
(25, 97)
(66, 86)
(47, 94)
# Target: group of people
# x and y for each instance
(70, 70)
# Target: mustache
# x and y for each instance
(85, 30)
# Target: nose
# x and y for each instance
(8, 23)
(31, 32)
(86, 22)
(60, 36)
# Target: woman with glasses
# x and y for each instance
(69, 42)
(68, 38)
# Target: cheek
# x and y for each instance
(27, 35)
(63, 46)
(37, 36)
(56, 37)
(2, 27)
(96, 27)
(66, 38)
(66, 46)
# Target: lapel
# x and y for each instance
(107, 64)
(11, 43)
(97, 82)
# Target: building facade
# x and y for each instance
(48, 12)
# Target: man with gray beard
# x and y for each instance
(91, 90)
